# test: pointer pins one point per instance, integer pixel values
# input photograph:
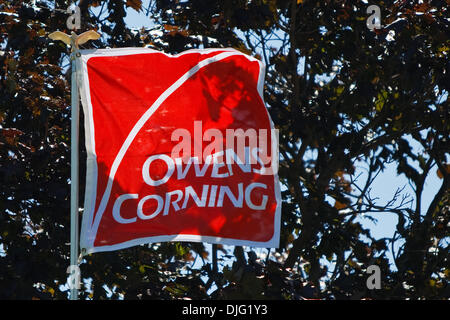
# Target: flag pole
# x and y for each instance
(74, 41)
(74, 168)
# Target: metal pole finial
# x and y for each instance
(74, 40)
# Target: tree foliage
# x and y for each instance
(348, 102)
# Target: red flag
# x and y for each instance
(180, 148)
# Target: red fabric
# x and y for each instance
(222, 95)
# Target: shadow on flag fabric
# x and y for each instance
(179, 148)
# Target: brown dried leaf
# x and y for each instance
(135, 4)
